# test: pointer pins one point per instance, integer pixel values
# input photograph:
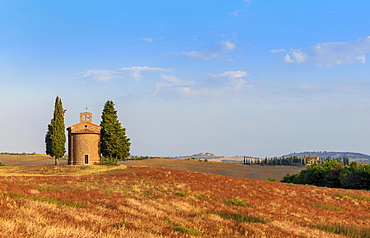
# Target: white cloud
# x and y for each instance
(299, 56)
(235, 79)
(288, 59)
(173, 87)
(227, 83)
(332, 53)
(296, 56)
(361, 58)
(217, 50)
(336, 53)
(234, 74)
(204, 92)
(187, 91)
(176, 81)
(100, 75)
(147, 39)
(172, 81)
(275, 51)
(170, 78)
(136, 71)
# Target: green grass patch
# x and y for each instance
(44, 189)
(327, 207)
(346, 230)
(353, 196)
(235, 202)
(241, 218)
(272, 179)
(48, 200)
(181, 194)
(186, 230)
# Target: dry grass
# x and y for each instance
(159, 202)
(26, 160)
(52, 170)
(228, 169)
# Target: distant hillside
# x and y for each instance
(205, 155)
(352, 156)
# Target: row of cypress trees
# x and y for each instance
(115, 145)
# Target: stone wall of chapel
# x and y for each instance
(85, 144)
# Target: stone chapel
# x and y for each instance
(84, 142)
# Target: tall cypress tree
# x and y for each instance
(55, 137)
(114, 142)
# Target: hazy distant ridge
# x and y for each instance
(352, 156)
(359, 157)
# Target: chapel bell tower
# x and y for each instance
(86, 117)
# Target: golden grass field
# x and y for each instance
(120, 201)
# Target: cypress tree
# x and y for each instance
(114, 142)
(55, 137)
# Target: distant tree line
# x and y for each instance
(139, 157)
(335, 173)
(331, 154)
(23, 153)
(290, 161)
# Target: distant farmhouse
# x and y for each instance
(84, 142)
(311, 159)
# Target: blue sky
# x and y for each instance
(236, 77)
